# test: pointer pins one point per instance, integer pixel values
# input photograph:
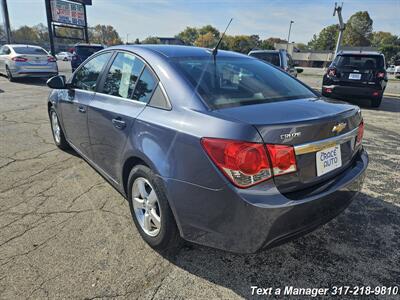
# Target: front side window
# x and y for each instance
(145, 86)
(122, 75)
(86, 77)
(229, 81)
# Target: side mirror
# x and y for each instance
(57, 82)
(299, 70)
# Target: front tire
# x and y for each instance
(150, 210)
(56, 130)
(9, 75)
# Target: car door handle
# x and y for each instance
(81, 109)
(118, 123)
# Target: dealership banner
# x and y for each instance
(66, 12)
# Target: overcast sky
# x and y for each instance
(270, 18)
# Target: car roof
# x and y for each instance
(88, 45)
(267, 51)
(22, 45)
(171, 51)
(359, 53)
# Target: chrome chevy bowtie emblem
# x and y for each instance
(339, 127)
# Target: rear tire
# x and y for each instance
(57, 132)
(9, 75)
(376, 102)
(165, 236)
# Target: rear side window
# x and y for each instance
(30, 50)
(362, 62)
(272, 58)
(145, 86)
(122, 76)
(86, 77)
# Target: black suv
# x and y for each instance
(82, 52)
(356, 74)
(279, 58)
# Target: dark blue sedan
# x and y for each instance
(221, 149)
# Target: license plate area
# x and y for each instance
(355, 76)
(328, 159)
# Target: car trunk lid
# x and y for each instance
(305, 124)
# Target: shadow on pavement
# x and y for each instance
(359, 247)
(389, 104)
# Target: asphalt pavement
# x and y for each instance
(66, 233)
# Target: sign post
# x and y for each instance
(67, 14)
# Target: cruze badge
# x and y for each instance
(339, 127)
(290, 135)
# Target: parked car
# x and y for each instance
(279, 58)
(26, 61)
(356, 74)
(225, 150)
(81, 52)
(64, 56)
(391, 69)
(397, 72)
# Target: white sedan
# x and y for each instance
(65, 56)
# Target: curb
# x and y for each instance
(385, 94)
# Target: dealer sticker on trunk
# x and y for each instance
(328, 159)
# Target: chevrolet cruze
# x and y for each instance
(214, 147)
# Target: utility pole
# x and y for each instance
(7, 27)
(338, 9)
(50, 29)
(288, 38)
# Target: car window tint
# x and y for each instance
(363, 62)
(145, 86)
(228, 82)
(30, 50)
(122, 76)
(86, 77)
(272, 58)
(87, 51)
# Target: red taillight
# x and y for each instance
(375, 94)
(19, 59)
(51, 59)
(380, 75)
(327, 90)
(246, 164)
(283, 159)
(360, 133)
(331, 72)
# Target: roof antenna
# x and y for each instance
(215, 50)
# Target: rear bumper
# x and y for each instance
(46, 71)
(352, 91)
(248, 220)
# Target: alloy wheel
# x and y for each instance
(146, 206)
(55, 127)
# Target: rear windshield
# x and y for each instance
(272, 58)
(87, 51)
(30, 50)
(357, 61)
(231, 82)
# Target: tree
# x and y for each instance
(358, 31)
(26, 34)
(380, 38)
(273, 40)
(189, 35)
(104, 34)
(137, 41)
(326, 39)
(207, 40)
(151, 40)
(208, 28)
